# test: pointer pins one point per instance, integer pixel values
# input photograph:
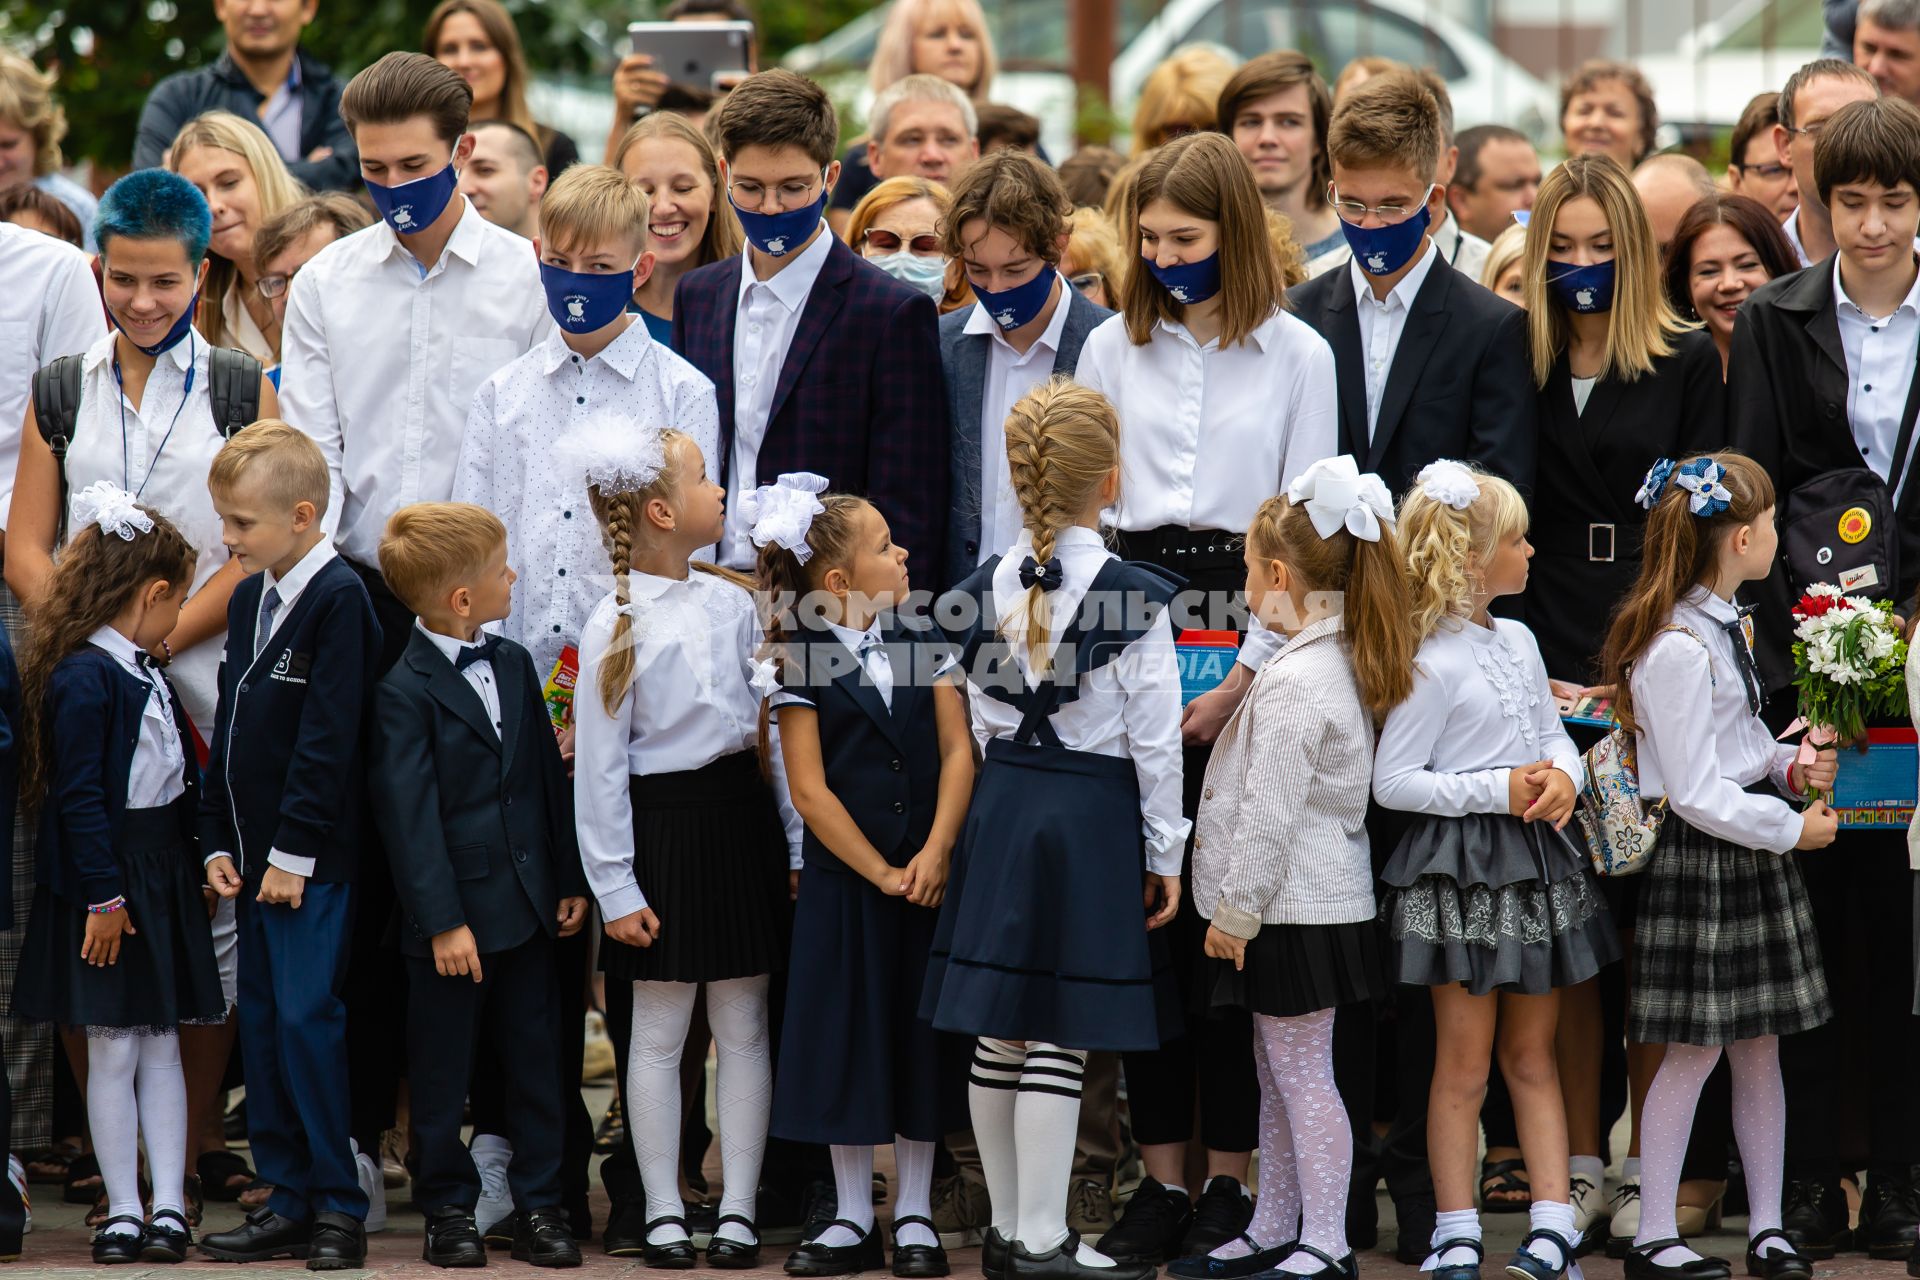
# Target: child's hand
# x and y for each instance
(213, 900)
(636, 929)
(1556, 797)
(456, 954)
(1164, 891)
(282, 886)
(222, 878)
(886, 877)
(1818, 826)
(101, 946)
(1815, 770)
(565, 735)
(572, 915)
(1523, 787)
(1224, 946)
(926, 877)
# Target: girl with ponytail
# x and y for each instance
(1488, 903)
(1725, 955)
(1041, 951)
(680, 832)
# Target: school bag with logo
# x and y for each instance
(233, 387)
(1838, 527)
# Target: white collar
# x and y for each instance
(792, 283)
(467, 242)
(182, 355)
(1910, 303)
(854, 640)
(303, 572)
(449, 646)
(979, 322)
(624, 355)
(1313, 631)
(1704, 601)
(119, 646)
(1262, 336)
(1408, 286)
(649, 586)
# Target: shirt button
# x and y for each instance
(576, 359)
(748, 379)
(894, 765)
(556, 631)
(579, 399)
(566, 515)
(1209, 794)
(1868, 387)
(563, 573)
(899, 807)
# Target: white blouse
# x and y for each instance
(1127, 708)
(691, 702)
(1481, 708)
(1698, 744)
(156, 775)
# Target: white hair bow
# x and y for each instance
(618, 455)
(1448, 482)
(1337, 495)
(113, 509)
(783, 512)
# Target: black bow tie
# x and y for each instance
(482, 652)
(1047, 576)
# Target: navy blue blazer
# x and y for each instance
(963, 361)
(854, 402)
(478, 825)
(882, 764)
(96, 706)
(285, 769)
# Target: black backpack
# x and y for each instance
(233, 385)
(1838, 527)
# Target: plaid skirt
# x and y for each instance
(1725, 947)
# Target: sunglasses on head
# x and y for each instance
(888, 242)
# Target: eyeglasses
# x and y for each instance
(1086, 281)
(1762, 170)
(1355, 212)
(1813, 130)
(925, 244)
(789, 195)
(274, 286)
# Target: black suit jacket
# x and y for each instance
(478, 824)
(1787, 385)
(1460, 385)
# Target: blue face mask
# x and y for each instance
(1381, 251)
(778, 234)
(928, 275)
(1188, 282)
(1583, 289)
(582, 301)
(1020, 305)
(411, 207)
(177, 332)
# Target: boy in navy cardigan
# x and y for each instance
(280, 822)
(473, 798)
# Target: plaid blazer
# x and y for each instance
(860, 398)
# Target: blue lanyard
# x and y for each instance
(126, 462)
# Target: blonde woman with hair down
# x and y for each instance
(1041, 951)
(1180, 96)
(246, 184)
(688, 224)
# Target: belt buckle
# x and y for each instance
(1593, 543)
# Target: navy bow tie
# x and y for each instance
(1047, 576)
(482, 652)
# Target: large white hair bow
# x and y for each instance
(618, 455)
(1448, 482)
(113, 509)
(1338, 496)
(783, 511)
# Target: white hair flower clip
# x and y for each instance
(113, 509)
(616, 455)
(1449, 482)
(783, 512)
(1338, 496)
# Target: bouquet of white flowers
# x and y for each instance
(1849, 662)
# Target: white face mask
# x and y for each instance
(928, 275)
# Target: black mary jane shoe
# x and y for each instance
(1331, 1268)
(1458, 1270)
(733, 1255)
(675, 1255)
(167, 1238)
(815, 1259)
(1062, 1262)
(1641, 1266)
(1527, 1265)
(1781, 1264)
(111, 1249)
(1204, 1266)
(918, 1261)
(994, 1246)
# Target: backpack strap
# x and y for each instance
(233, 387)
(56, 410)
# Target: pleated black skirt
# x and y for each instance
(711, 857)
(1296, 969)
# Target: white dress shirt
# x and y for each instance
(1881, 352)
(1480, 709)
(156, 776)
(870, 651)
(507, 466)
(691, 702)
(766, 317)
(161, 456)
(242, 331)
(1382, 323)
(379, 362)
(49, 307)
(478, 673)
(1127, 708)
(1466, 251)
(1010, 375)
(1698, 744)
(1792, 227)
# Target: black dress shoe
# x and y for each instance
(815, 1259)
(1641, 1266)
(625, 1235)
(453, 1241)
(733, 1255)
(1223, 1212)
(1815, 1218)
(543, 1238)
(1062, 1262)
(167, 1237)
(113, 1249)
(500, 1234)
(1889, 1215)
(1206, 1267)
(1152, 1226)
(994, 1246)
(339, 1243)
(265, 1234)
(675, 1255)
(916, 1261)
(1781, 1264)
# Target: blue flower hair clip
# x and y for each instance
(1655, 485)
(1706, 496)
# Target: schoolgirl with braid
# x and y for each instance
(1074, 841)
(681, 833)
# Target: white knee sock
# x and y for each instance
(662, 1011)
(853, 1182)
(1046, 1121)
(913, 1196)
(162, 1090)
(1299, 1053)
(992, 1089)
(1453, 1224)
(1760, 1127)
(1666, 1122)
(113, 1115)
(737, 1012)
(1276, 1210)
